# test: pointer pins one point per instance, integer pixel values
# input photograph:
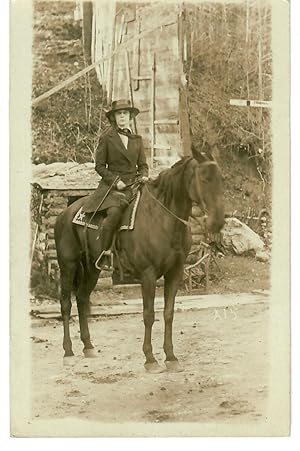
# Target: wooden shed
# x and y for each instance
(143, 53)
(54, 187)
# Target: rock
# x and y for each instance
(262, 256)
(238, 237)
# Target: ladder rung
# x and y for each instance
(157, 146)
(160, 158)
(141, 78)
(166, 121)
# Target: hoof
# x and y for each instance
(153, 367)
(173, 366)
(69, 360)
(90, 353)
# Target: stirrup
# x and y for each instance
(108, 255)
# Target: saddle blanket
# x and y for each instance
(127, 222)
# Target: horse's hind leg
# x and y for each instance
(83, 304)
(67, 276)
(172, 280)
(148, 292)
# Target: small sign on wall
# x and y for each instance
(252, 103)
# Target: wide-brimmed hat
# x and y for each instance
(122, 104)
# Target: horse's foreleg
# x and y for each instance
(83, 304)
(67, 275)
(148, 292)
(172, 281)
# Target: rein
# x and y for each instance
(186, 223)
(183, 221)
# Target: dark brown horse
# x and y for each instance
(158, 246)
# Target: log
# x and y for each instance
(51, 253)
(197, 229)
(51, 244)
(49, 222)
(50, 234)
(198, 238)
(53, 211)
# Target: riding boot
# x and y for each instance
(104, 261)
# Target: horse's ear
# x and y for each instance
(199, 156)
(209, 155)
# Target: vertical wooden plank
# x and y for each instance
(130, 86)
(136, 56)
(112, 59)
(87, 32)
(152, 112)
(121, 29)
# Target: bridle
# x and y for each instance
(183, 221)
(204, 163)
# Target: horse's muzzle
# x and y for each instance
(215, 222)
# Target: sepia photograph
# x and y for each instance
(150, 148)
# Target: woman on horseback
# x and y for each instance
(120, 159)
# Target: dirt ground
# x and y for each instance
(223, 353)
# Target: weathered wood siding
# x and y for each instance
(148, 47)
(151, 78)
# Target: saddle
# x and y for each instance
(93, 220)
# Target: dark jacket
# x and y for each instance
(112, 160)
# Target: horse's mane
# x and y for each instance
(169, 183)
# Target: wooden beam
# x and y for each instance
(124, 45)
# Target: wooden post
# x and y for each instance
(190, 282)
(36, 231)
(260, 82)
(207, 266)
(130, 86)
(152, 112)
(87, 32)
(137, 56)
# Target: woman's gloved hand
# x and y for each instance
(144, 179)
(121, 185)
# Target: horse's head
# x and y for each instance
(204, 184)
